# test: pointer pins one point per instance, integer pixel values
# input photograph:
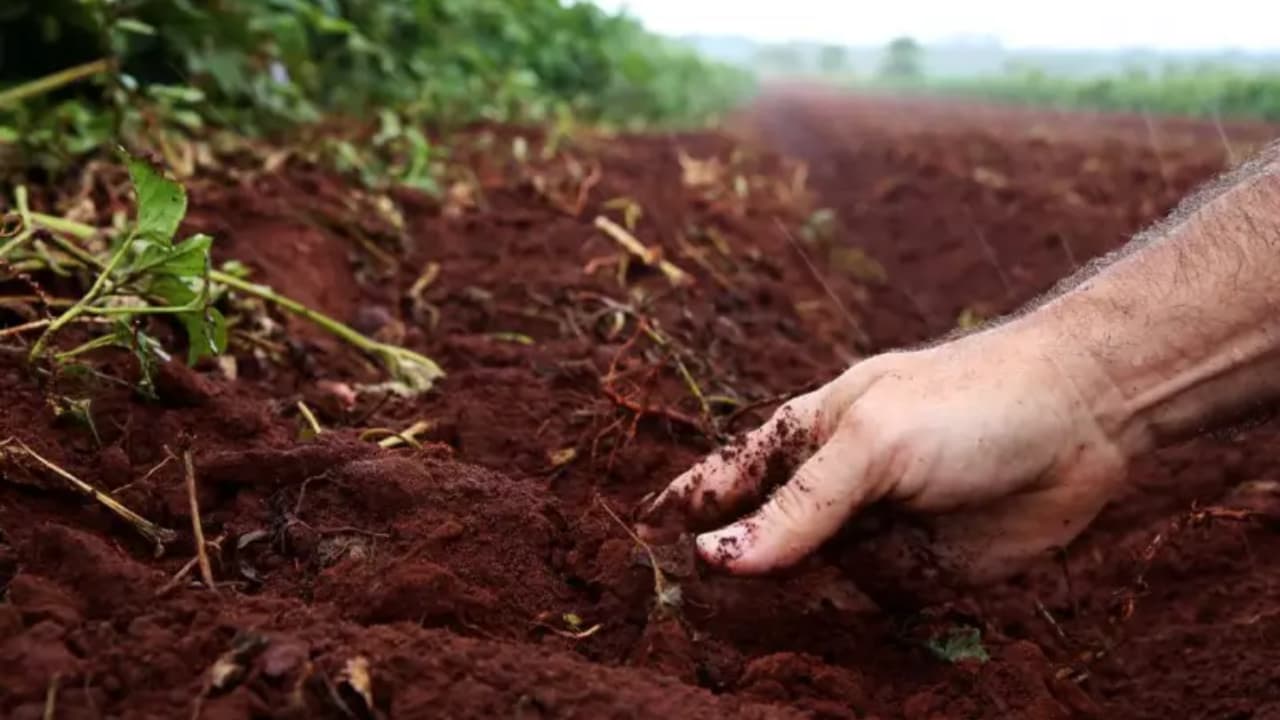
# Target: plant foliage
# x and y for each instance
(1205, 90)
(261, 66)
(147, 273)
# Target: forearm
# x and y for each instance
(1181, 331)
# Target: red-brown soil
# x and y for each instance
(469, 573)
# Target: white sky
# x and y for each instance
(1167, 24)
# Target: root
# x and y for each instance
(584, 190)
(608, 381)
(24, 328)
(694, 389)
(1125, 601)
(766, 401)
(645, 409)
(668, 595)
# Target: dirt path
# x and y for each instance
(479, 574)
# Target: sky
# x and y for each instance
(1090, 24)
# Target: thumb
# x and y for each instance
(799, 516)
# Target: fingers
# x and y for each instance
(799, 516)
(725, 482)
(912, 561)
(998, 540)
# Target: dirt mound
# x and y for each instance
(282, 658)
(482, 567)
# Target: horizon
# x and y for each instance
(1128, 26)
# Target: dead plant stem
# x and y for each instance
(206, 572)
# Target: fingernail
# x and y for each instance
(724, 547)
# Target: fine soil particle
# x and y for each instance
(475, 573)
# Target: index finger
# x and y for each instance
(724, 484)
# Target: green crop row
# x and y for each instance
(1203, 92)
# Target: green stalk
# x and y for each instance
(83, 303)
(297, 308)
(24, 212)
(75, 251)
(63, 225)
(147, 309)
(49, 83)
(392, 353)
(99, 342)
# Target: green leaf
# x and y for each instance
(175, 291)
(162, 203)
(134, 26)
(411, 374)
(206, 328)
(206, 333)
(235, 268)
(332, 25)
(177, 93)
(187, 260)
(189, 119)
(959, 644)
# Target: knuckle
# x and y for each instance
(877, 364)
(899, 452)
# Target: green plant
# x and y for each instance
(1203, 90)
(143, 71)
(147, 273)
(411, 373)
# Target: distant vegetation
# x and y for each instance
(78, 74)
(1225, 84)
(1197, 91)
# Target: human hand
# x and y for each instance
(992, 441)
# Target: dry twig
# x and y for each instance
(408, 436)
(51, 697)
(206, 572)
(153, 532)
(186, 569)
(646, 255)
(310, 418)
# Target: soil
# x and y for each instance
(480, 571)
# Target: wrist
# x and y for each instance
(1087, 381)
(1152, 376)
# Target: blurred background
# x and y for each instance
(1136, 55)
